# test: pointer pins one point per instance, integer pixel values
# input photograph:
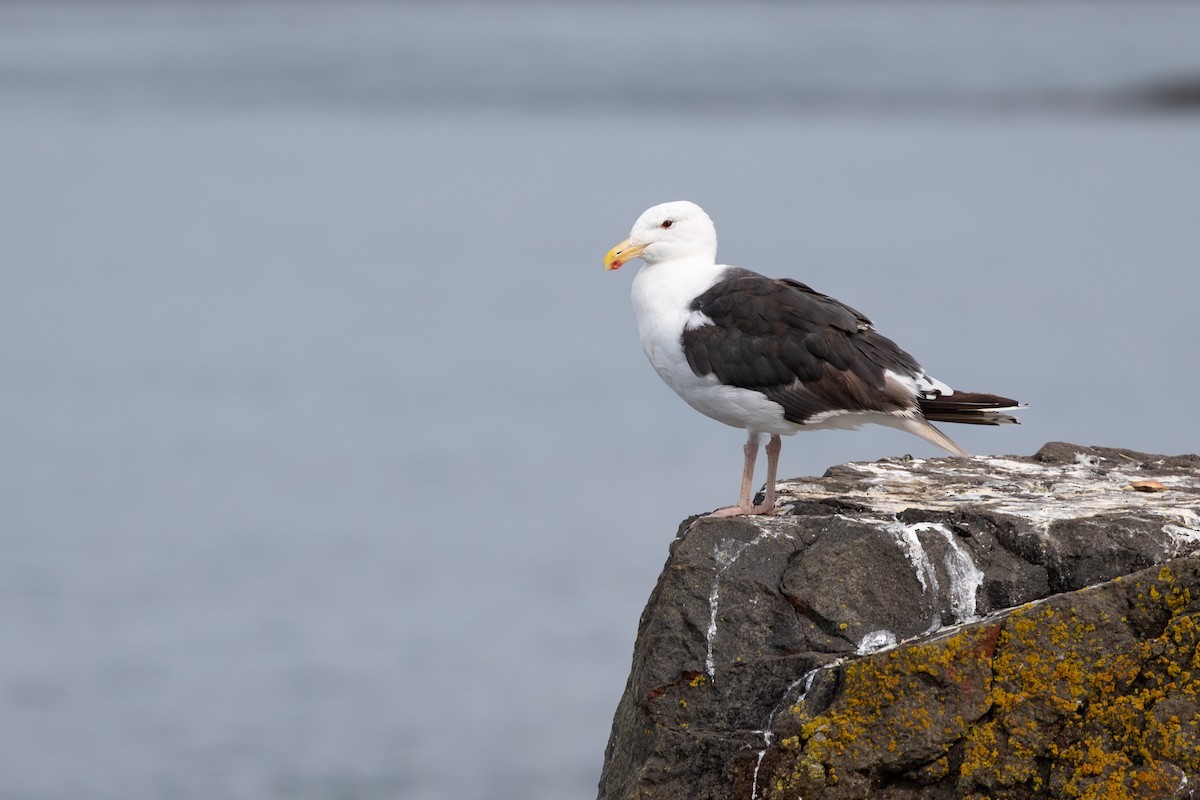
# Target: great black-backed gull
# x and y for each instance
(774, 356)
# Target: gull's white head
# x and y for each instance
(667, 232)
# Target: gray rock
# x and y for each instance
(758, 645)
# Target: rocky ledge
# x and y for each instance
(993, 627)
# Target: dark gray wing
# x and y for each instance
(802, 349)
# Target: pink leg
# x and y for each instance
(744, 506)
(768, 503)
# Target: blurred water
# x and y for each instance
(331, 466)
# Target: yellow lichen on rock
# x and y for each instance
(1095, 697)
(1111, 707)
(889, 706)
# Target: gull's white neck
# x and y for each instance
(662, 295)
(672, 285)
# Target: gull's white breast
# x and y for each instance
(662, 298)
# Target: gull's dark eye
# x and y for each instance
(667, 223)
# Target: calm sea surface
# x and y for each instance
(330, 466)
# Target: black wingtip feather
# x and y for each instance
(970, 408)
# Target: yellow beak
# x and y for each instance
(625, 251)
